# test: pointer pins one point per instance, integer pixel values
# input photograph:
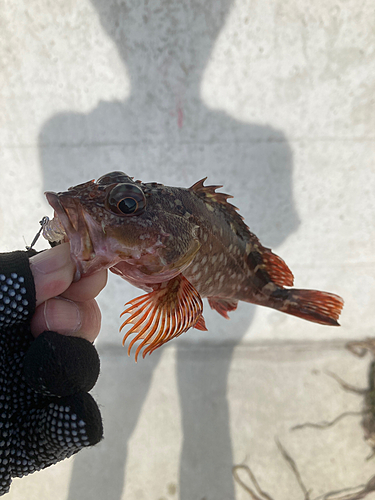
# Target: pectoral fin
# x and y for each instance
(163, 314)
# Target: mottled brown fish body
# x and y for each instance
(178, 245)
(219, 265)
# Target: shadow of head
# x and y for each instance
(164, 131)
(155, 34)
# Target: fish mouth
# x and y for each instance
(60, 213)
(70, 217)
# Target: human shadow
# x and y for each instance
(164, 132)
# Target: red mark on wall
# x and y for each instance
(180, 115)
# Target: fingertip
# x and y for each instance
(66, 317)
(53, 272)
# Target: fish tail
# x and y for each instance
(312, 305)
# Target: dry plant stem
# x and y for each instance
(362, 493)
(325, 424)
(345, 385)
(264, 495)
(292, 464)
(254, 496)
(360, 347)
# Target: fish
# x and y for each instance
(178, 245)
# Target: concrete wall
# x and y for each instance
(273, 99)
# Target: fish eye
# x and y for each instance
(126, 199)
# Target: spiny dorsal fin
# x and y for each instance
(220, 200)
(209, 192)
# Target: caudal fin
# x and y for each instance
(312, 305)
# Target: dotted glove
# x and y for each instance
(46, 414)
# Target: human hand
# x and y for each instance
(61, 305)
(46, 413)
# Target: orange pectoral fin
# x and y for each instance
(163, 314)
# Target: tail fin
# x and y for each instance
(312, 305)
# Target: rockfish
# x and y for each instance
(178, 245)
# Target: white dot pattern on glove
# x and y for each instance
(35, 430)
(13, 301)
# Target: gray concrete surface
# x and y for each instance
(273, 99)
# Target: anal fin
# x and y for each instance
(222, 306)
(163, 314)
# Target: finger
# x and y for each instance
(64, 316)
(45, 435)
(52, 433)
(53, 272)
(61, 365)
(87, 288)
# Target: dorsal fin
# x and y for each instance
(268, 266)
(277, 269)
(219, 200)
(210, 194)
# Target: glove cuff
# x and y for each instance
(17, 289)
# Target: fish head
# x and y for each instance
(131, 227)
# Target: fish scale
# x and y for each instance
(178, 245)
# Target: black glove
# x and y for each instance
(46, 414)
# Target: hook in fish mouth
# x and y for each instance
(43, 224)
